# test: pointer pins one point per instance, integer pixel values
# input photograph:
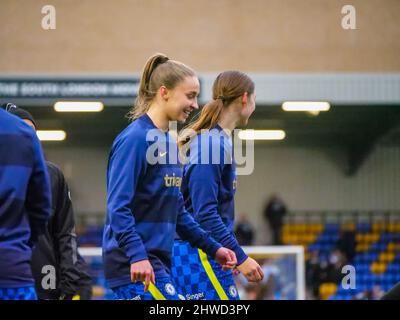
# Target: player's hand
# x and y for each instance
(143, 271)
(226, 258)
(251, 270)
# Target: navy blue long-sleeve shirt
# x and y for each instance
(25, 200)
(144, 204)
(209, 186)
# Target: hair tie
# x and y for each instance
(9, 106)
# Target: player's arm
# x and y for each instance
(203, 187)
(188, 229)
(38, 196)
(126, 166)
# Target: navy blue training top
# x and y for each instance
(209, 186)
(25, 199)
(144, 204)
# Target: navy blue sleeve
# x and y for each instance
(38, 198)
(188, 229)
(126, 166)
(203, 185)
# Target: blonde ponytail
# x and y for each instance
(158, 71)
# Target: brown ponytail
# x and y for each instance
(158, 71)
(227, 87)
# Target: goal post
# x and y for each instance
(284, 259)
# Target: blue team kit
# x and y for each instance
(22, 171)
(145, 208)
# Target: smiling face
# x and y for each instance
(182, 100)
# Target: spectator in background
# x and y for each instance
(57, 246)
(337, 260)
(313, 276)
(25, 205)
(347, 243)
(322, 269)
(329, 271)
(244, 231)
(274, 212)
